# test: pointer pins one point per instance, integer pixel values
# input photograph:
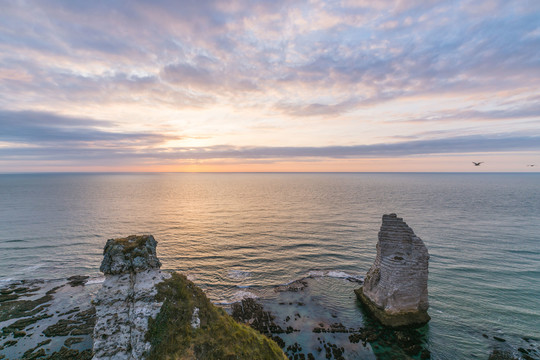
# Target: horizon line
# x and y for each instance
(267, 172)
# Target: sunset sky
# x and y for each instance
(281, 85)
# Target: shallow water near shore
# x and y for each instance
(241, 235)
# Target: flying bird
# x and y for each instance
(477, 163)
(531, 165)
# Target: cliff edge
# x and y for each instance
(144, 313)
(395, 288)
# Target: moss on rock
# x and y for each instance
(189, 326)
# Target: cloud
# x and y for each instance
(291, 60)
(527, 110)
(48, 131)
(408, 48)
(43, 136)
(317, 109)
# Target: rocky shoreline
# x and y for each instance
(47, 319)
(59, 325)
(139, 311)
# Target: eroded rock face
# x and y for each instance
(395, 288)
(132, 254)
(127, 298)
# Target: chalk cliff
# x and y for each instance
(144, 313)
(126, 300)
(395, 288)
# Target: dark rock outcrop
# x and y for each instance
(395, 288)
(131, 254)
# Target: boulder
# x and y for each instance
(395, 289)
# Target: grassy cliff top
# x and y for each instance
(216, 335)
(132, 242)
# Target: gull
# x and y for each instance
(531, 165)
(477, 163)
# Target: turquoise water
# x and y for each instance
(238, 235)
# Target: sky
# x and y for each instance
(280, 85)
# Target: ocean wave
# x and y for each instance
(336, 274)
(31, 268)
(239, 274)
(237, 297)
(97, 280)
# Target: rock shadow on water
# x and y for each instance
(391, 343)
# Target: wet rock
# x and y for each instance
(30, 354)
(77, 280)
(62, 328)
(8, 297)
(501, 355)
(48, 341)
(395, 288)
(251, 312)
(278, 341)
(23, 308)
(18, 334)
(73, 340)
(295, 286)
(64, 353)
(425, 354)
(24, 323)
(355, 338)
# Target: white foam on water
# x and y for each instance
(98, 280)
(337, 274)
(239, 274)
(5, 282)
(237, 297)
(31, 268)
(191, 277)
(315, 273)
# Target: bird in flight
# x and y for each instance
(531, 165)
(477, 163)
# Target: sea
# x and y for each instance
(239, 235)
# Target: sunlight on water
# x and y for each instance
(236, 235)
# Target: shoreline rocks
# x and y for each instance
(395, 288)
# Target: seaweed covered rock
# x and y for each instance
(395, 288)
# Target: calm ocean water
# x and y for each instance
(239, 234)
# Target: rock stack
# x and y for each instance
(395, 288)
(127, 298)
